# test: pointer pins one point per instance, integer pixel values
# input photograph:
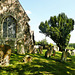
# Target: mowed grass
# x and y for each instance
(39, 65)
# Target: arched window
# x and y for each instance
(9, 27)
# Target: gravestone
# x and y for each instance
(72, 53)
(40, 49)
(49, 51)
(5, 53)
(27, 59)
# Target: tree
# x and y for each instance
(72, 45)
(58, 28)
(70, 48)
(42, 42)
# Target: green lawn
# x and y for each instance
(39, 65)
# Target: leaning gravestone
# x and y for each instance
(40, 49)
(49, 51)
(5, 53)
(35, 50)
(27, 59)
(47, 54)
(53, 52)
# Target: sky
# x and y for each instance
(41, 10)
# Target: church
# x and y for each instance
(14, 28)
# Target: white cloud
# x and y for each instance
(40, 36)
(28, 12)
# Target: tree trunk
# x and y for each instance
(64, 56)
(60, 49)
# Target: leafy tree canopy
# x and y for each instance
(72, 45)
(42, 42)
(58, 28)
(70, 48)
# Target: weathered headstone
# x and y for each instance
(27, 59)
(72, 53)
(53, 52)
(35, 50)
(20, 47)
(40, 49)
(5, 53)
(48, 53)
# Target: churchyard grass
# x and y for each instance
(39, 65)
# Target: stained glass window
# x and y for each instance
(9, 27)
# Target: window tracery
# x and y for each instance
(9, 27)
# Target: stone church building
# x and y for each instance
(14, 28)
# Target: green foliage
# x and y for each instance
(42, 42)
(39, 65)
(70, 48)
(36, 43)
(50, 45)
(58, 28)
(72, 45)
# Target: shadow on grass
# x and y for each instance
(38, 66)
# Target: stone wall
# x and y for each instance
(12, 9)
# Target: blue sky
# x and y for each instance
(41, 10)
